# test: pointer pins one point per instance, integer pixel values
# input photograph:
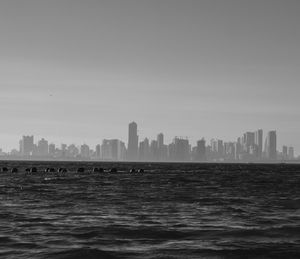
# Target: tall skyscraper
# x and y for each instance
(181, 149)
(26, 146)
(200, 150)
(52, 150)
(284, 152)
(42, 148)
(259, 142)
(160, 146)
(85, 151)
(271, 145)
(98, 151)
(144, 150)
(133, 140)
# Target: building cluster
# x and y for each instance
(250, 147)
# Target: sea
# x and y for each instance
(170, 210)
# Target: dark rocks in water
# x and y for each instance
(132, 170)
(33, 170)
(98, 170)
(14, 170)
(141, 170)
(27, 170)
(49, 170)
(113, 170)
(80, 170)
(4, 169)
(62, 170)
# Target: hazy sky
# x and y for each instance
(80, 71)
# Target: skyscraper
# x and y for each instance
(133, 140)
(85, 151)
(284, 152)
(160, 147)
(42, 148)
(259, 142)
(26, 145)
(181, 149)
(271, 145)
(291, 153)
(200, 150)
(144, 150)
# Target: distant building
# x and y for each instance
(133, 139)
(85, 151)
(271, 146)
(200, 152)
(181, 149)
(161, 148)
(284, 152)
(52, 150)
(72, 151)
(26, 146)
(249, 140)
(42, 148)
(154, 151)
(144, 150)
(113, 150)
(259, 142)
(98, 151)
(291, 153)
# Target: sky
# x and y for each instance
(79, 71)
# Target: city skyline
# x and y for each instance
(77, 70)
(249, 147)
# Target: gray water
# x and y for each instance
(169, 211)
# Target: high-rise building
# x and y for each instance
(42, 148)
(291, 153)
(98, 151)
(271, 145)
(181, 149)
(160, 146)
(144, 150)
(153, 151)
(284, 152)
(259, 142)
(26, 146)
(52, 150)
(133, 140)
(249, 139)
(85, 151)
(200, 150)
(113, 149)
(72, 151)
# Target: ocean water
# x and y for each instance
(169, 211)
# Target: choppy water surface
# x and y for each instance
(170, 211)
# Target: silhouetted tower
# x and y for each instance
(26, 145)
(98, 151)
(271, 145)
(160, 146)
(259, 142)
(42, 148)
(133, 140)
(284, 152)
(200, 150)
